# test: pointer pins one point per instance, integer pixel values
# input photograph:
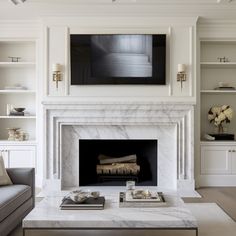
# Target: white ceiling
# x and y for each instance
(35, 9)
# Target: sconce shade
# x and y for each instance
(56, 67)
(181, 67)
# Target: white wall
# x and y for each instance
(52, 37)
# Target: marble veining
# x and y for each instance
(167, 163)
(171, 124)
(48, 214)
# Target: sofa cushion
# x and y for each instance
(4, 178)
(11, 197)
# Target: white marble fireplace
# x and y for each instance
(170, 124)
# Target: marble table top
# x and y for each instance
(47, 214)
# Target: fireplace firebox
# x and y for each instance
(106, 162)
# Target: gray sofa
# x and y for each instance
(16, 200)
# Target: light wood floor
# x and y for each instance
(224, 197)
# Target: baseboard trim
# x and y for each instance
(217, 181)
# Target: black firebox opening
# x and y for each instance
(145, 150)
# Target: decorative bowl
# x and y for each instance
(19, 109)
(78, 196)
(95, 194)
(141, 194)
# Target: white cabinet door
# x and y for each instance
(22, 157)
(216, 159)
(233, 155)
(19, 155)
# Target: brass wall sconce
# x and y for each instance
(57, 75)
(181, 75)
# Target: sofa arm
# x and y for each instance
(24, 176)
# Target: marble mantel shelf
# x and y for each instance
(115, 102)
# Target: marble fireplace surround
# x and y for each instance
(171, 124)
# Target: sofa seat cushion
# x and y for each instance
(11, 197)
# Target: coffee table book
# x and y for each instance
(124, 203)
(88, 204)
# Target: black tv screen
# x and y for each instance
(118, 59)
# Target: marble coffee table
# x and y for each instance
(48, 216)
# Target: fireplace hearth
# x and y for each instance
(113, 162)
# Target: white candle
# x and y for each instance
(181, 67)
(56, 67)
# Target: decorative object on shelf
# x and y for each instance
(15, 134)
(181, 75)
(57, 75)
(224, 1)
(223, 59)
(9, 109)
(209, 137)
(16, 2)
(15, 87)
(224, 86)
(12, 133)
(220, 114)
(15, 59)
(222, 136)
(18, 111)
(24, 136)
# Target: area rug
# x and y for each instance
(212, 221)
(224, 197)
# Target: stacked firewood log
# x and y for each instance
(126, 165)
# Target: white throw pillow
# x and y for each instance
(4, 177)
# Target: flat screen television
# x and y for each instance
(118, 59)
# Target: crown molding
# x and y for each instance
(36, 9)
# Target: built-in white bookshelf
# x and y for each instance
(212, 72)
(18, 86)
(217, 164)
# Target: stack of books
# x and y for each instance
(89, 204)
(17, 113)
(126, 199)
(225, 88)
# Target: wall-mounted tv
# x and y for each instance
(118, 59)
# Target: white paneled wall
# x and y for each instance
(181, 33)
